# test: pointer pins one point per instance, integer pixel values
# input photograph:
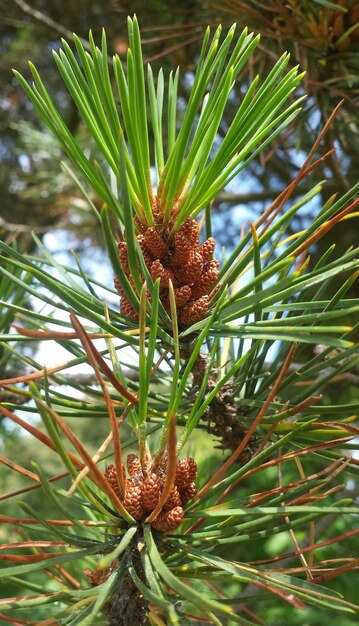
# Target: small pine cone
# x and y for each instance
(207, 280)
(182, 474)
(160, 464)
(145, 252)
(157, 211)
(190, 229)
(151, 492)
(122, 252)
(118, 286)
(207, 249)
(140, 225)
(182, 249)
(111, 477)
(167, 521)
(192, 468)
(158, 271)
(133, 500)
(188, 493)
(186, 473)
(129, 483)
(133, 465)
(127, 309)
(173, 500)
(182, 294)
(155, 243)
(195, 311)
(190, 273)
(185, 241)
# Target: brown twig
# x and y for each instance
(93, 356)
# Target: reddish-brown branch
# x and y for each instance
(53, 335)
(325, 228)
(322, 544)
(30, 558)
(90, 349)
(338, 571)
(39, 435)
(6, 519)
(34, 544)
(18, 492)
(291, 455)
(93, 356)
(333, 469)
(34, 376)
(19, 469)
(26, 598)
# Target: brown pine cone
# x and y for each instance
(192, 468)
(186, 473)
(155, 243)
(190, 229)
(118, 286)
(182, 474)
(190, 273)
(133, 465)
(111, 477)
(167, 521)
(140, 225)
(182, 249)
(207, 249)
(145, 253)
(127, 309)
(194, 311)
(133, 500)
(151, 492)
(157, 211)
(206, 281)
(173, 500)
(160, 465)
(122, 252)
(182, 294)
(185, 241)
(188, 493)
(161, 272)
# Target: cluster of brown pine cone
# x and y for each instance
(143, 490)
(182, 260)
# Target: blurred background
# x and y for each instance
(323, 37)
